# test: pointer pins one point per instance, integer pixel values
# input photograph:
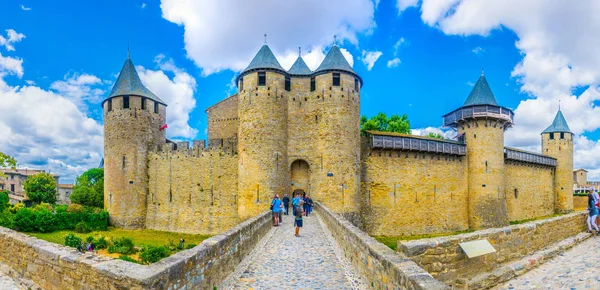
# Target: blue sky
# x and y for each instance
(63, 59)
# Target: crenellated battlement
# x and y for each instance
(198, 147)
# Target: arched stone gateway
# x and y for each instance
(300, 177)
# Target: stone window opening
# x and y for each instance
(316, 118)
(241, 85)
(562, 135)
(288, 85)
(356, 88)
(551, 136)
(155, 107)
(516, 193)
(262, 78)
(170, 195)
(474, 135)
(336, 79)
(313, 84)
(109, 105)
(143, 103)
(486, 167)
(125, 102)
(123, 163)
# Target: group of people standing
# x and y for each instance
(301, 204)
(593, 211)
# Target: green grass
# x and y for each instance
(392, 241)
(535, 219)
(139, 237)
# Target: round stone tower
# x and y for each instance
(133, 117)
(262, 138)
(557, 142)
(481, 123)
(337, 89)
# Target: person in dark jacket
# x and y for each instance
(286, 204)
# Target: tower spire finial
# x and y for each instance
(299, 51)
(482, 74)
(128, 52)
(559, 105)
(335, 40)
(265, 38)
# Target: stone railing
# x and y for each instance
(52, 266)
(446, 261)
(379, 265)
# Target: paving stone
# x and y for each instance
(576, 268)
(283, 261)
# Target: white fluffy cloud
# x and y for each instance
(370, 57)
(393, 62)
(11, 65)
(217, 43)
(81, 89)
(447, 134)
(558, 41)
(25, 8)
(478, 50)
(177, 92)
(11, 38)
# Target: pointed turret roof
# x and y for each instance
(299, 68)
(558, 125)
(481, 94)
(264, 58)
(335, 60)
(129, 83)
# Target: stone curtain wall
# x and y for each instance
(52, 266)
(223, 121)
(192, 191)
(380, 266)
(529, 190)
(408, 193)
(445, 260)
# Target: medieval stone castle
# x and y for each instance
(298, 130)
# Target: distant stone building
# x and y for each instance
(64, 193)
(298, 130)
(13, 182)
(581, 183)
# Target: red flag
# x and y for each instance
(165, 126)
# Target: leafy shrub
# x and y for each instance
(101, 243)
(4, 200)
(25, 220)
(43, 206)
(72, 241)
(45, 221)
(41, 187)
(7, 219)
(172, 246)
(89, 239)
(75, 208)
(189, 246)
(152, 254)
(82, 227)
(128, 259)
(17, 207)
(122, 246)
(60, 208)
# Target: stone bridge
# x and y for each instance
(330, 253)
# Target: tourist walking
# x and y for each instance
(298, 217)
(305, 202)
(295, 202)
(276, 209)
(286, 204)
(309, 206)
(592, 211)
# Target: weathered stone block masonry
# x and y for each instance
(298, 130)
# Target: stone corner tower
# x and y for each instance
(482, 122)
(557, 142)
(133, 117)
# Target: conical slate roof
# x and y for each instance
(299, 68)
(559, 124)
(264, 59)
(129, 83)
(481, 94)
(335, 60)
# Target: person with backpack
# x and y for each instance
(276, 210)
(295, 202)
(286, 204)
(298, 217)
(592, 211)
(309, 207)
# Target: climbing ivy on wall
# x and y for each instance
(381, 122)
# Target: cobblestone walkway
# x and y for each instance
(7, 283)
(283, 261)
(577, 268)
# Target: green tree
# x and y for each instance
(435, 135)
(40, 187)
(3, 200)
(6, 162)
(381, 122)
(89, 188)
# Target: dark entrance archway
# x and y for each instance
(300, 177)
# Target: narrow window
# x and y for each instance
(336, 79)
(551, 136)
(562, 135)
(143, 103)
(123, 164)
(109, 105)
(125, 102)
(516, 193)
(262, 78)
(312, 84)
(155, 107)
(241, 84)
(288, 84)
(12, 188)
(356, 88)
